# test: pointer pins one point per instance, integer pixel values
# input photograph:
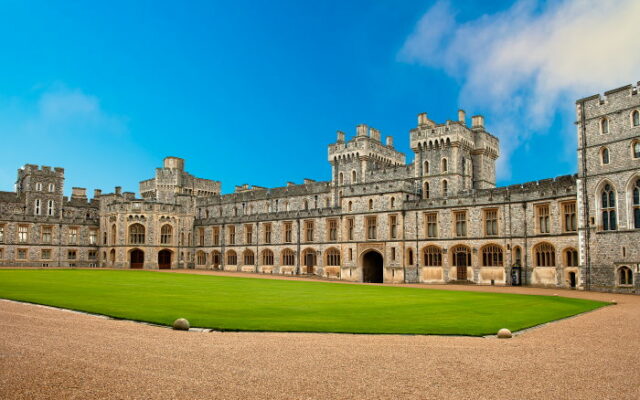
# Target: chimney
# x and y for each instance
(361, 130)
(477, 121)
(422, 119)
(78, 193)
(374, 134)
(118, 190)
(308, 181)
(340, 137)
(290, 184)
(389, 141)
(462, 117)
(97, 193)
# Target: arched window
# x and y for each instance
(635, 149)
(393, 202)
(166, 234)
(350, 207)
(353, 176)
(267, 257)
(426, 168)
(545, 255)
(136, 234)
(232, 257)
(445, 188)
(608, 206)
(410, 256)
(201, 258)
(636, 204)
(445, 167)
(216, 258)
(635, 118)
(604, 125)
(309, 258)
(248, 257)
(604, 156)
(492, 256)
(52, 187)
(113, 234)
(39, 187)
(432, 256)
(341, 178)
(426, 193)
(625, 276)
(288, 257)
(370, 204)
(571, 257)
(333, 258)
(461, 254)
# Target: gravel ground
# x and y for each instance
(47, 353)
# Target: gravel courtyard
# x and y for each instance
(47, 353)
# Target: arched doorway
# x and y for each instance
(164, 259)
(372, 267)
(136, 258)
(572, 279)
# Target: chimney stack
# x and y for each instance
(462, 117)
(389, 141)
(422, 119)
(477, 121)
(340, 137)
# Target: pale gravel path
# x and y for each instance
(54, 354)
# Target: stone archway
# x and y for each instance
(136, 259)
(164, 259)
(372, 267)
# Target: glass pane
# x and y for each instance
(612, 199)
(612, 222)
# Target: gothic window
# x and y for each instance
(353, 176)
(608, 207)
(393, 202)
(232, 257)
(432, 256)
(248, 257)
(426, 168)
(604, 126)
(635, 118)
(341, 178)
(461, 254)
(635, 148)
(136, 234)
(445, 167)
(113, 234)
(201, 258)
(636, 204)
(350, 206)
(370, 204)
(545, 255)
(604, 156)
(267, 257)
(333, 257)
(492, 256)
(445, 188)
(166, 233)
(288, 257)
(625, 276)
(571, 257)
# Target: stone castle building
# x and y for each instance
(439, 219)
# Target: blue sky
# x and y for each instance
(254, 91)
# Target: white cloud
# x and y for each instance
(525, 63)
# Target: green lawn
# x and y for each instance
(230, 303)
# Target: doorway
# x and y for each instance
(372, 267)
(164, 259)
(572, 280)
(136, 258)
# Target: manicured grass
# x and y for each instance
(231, 303)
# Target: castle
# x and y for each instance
(439, 219)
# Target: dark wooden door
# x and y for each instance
(309, 263)
(137, 258)
(461, 270)
(164, 259)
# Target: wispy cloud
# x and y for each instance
(524, 64)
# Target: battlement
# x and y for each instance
(365, 145)
(615, 99)
(42, 170)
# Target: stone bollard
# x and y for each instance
(504, 333)
(614, 302)
(181, 324)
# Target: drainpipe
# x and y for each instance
(587, 229)
(415, 256)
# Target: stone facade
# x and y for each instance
(439, 219)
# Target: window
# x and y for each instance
(492, 256)
(113, 234)
(393, 253)
(409, 256)
(39, 187)
(604, 156)
(92, 254)
(248, 234)
(340, 181)
(267, 257)
(393, 226)
(635, 118)
(432, 256)
(333, 230)
(432, 224)
(351, 254)
(136, 234)
(248, 257)
(393, 202)
(625, 276)
(545, 255)
(461, 223)
(166, 234)
(636, 205)
(445, 167)
(635, 149)
(491, 222)
(604, 125)
(288, 232)
(461, 256)
(216, 236)
(353, 176)
(350, 228)
(608, 199)
(232, 234)
(426, 168)
(104, 238)
(350, 206)
(370, 204)
(445, 188)
(46, 234)
(288, 257)
(23, 234)
(267, 234)
(1, 233)
(21, 254)
(93, 237)
(371, 228)
(542, 212)
(216, 258)
(45, 254)
(201, 236)
(50, 207)
(73, 235)
(571, 257)
(517, 255)
(570, 223)
(308, 231)
(232, 257)
(72, 255)
(52, 187)
(37, 207)
(426, 192)
(333, 258)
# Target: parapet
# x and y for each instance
(78, 193)
(612, 100)
(174, 163)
